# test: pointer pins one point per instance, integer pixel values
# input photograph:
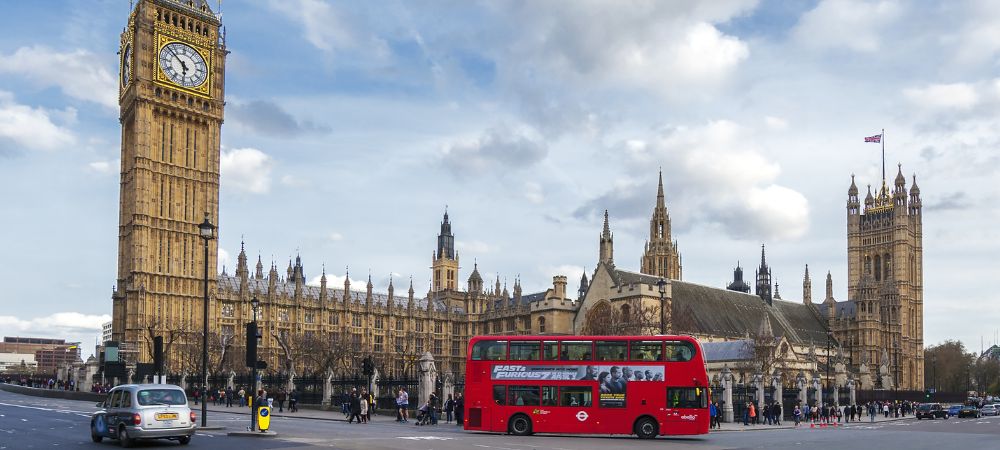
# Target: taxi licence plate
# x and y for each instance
(166, 416)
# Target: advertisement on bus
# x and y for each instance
(611, 379)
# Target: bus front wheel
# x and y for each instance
(646, 428)
(520, 425)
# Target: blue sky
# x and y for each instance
(350, 125)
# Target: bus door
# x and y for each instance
(576, 412)
(686, 410)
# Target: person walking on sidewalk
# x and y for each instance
(280, 398)
(363, 403)
(746, 414)
(355, 408)
(711, 415)
(776, 411)
(403, 401)
(459, 409)
(797, 414)
(293, 401)
(449, 409)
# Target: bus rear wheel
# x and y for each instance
(520, 425)
(646, 428)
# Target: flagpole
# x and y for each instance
(883, 156)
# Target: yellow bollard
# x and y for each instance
(263, 418)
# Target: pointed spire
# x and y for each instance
(900, 179)
(807, 287)
(260, 268)
(914, 189)
(853, 190)
(411, 286)
(829, 287)
(660, 202)
(606, 233)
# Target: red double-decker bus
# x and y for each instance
(642, 385)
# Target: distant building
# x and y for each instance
(106, 332)
(13, 361)
(46, 353)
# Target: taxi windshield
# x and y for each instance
(161, 397)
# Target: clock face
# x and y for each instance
(126, 64)
(183, 65)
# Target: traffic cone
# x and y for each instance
(812, 425)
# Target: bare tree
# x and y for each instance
(626, 318)
(171, 336)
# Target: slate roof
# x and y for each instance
(526, 300)
(707, 310)
(311, 293)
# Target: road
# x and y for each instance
(40, 423)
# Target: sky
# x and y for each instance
(351, 126)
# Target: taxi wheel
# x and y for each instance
(93, 434)
(123, 438)
(646, 428)
(184, 440)
(520, 425)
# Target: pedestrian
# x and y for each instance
(459, 409)
(345, 404)
(746, 414)
(259, 402)
(293, 401)
(229, 396)
(363, 403)
(242, 396)
(712, 412)
(449, 409)
(797, 414)
(753, 414)
(403, 401)
(433, 404)
(196, 394)
(355, 408)
(777, 413)
(371, 405)
(280, 398)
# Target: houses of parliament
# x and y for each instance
(172, 81)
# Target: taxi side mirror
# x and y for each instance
(100, 404)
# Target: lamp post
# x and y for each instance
(254, 305)
(662, 285)
(934, 372)
(207, 232)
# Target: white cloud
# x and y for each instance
(650, 45)
(496, 151)
(570, 271)
(335, 236)
(246, 170)
(58, 325)
(475, 247)
(104, 167)
(225, 260)
(337, 282)
(717, 177)
(29, 127)
(775, 123)
(78, 73)
(326, 28)
(955, 96)
(852, 24)
(533, 192)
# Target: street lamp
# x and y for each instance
(207, 232)
(255, 306)
(934, 371)
(662, 285)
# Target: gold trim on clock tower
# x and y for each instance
(169, 176)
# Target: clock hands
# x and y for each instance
(178, 58)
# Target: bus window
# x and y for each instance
(550, 350)
(611, 351)
(524, 351)
(489, 351)
(522, 395)
(500, 395)
(689, 397)
(576, 351)
(548, 396)
(679, 351)
(646, 350)
(575, 396)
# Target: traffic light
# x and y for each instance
(158, 355)
(367, 367)
(928, 393)
(251, 344)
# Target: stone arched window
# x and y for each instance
(626, 312)
(878, 268)
(541, 324)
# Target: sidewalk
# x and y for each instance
(311, 412)
(790, 424)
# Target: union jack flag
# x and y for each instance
(876, 139)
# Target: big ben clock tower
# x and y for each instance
(171, 97)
